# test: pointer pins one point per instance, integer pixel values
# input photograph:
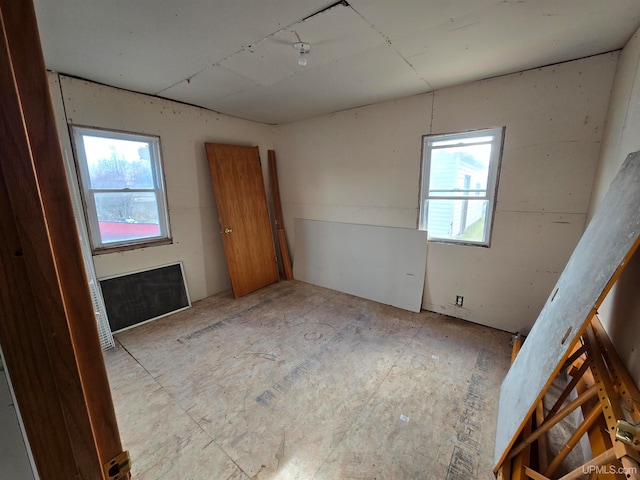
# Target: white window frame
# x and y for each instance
(159, 190)
(497, 134)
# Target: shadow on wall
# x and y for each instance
(624, 323)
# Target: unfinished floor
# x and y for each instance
(301, 382)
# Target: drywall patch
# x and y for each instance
(384, 264)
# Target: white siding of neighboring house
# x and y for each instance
(441, 213)
(445, 217)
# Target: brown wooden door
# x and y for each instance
(238, 187)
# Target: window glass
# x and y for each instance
(450, 166)
(114, 163)
(458, 187)
(123, 188)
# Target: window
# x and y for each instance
(123, 188)
(458, 185)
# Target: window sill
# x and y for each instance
(459, 243)
(134, 246)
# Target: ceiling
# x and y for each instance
(237, 56)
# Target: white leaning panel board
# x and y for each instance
(611, 237)
(384, 264)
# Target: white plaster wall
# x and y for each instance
(356, 166)
(554, 119)
(620, 313)
(183, 130)
(363, 166)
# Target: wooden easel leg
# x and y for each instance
(568, 389)
(504, 473)
(522, 459)
(551, 422)
(574, 439)
(602, 459)
(531, 473)
(542, 441)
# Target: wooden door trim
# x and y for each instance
(48, 331)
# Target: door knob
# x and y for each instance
(227, 231)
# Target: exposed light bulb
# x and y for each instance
(303, 49)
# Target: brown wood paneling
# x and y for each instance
(48, 332)
(238, 187)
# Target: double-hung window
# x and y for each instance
(123, 188)
(458, 185)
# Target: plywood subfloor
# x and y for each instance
(296, 381)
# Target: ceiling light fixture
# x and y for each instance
(302, 49)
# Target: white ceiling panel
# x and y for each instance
(506, 38)
(312, 92)
(335, 33)
(236, 56)
(149, 45)
(206, 87)
(404, 19)
(266, 62)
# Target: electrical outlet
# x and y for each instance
(459, 300)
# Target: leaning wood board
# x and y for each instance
(597, 261)
(385, 264)
(277, 209)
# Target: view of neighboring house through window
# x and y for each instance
(458, 185)
(123, 188)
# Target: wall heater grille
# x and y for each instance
(142, 296)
